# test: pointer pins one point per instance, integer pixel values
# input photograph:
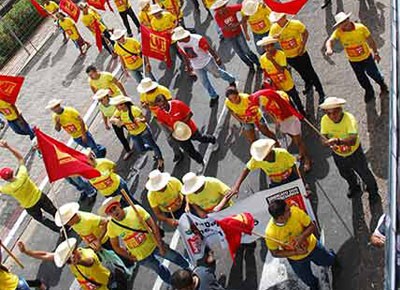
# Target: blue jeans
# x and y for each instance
(319, 256)
(217, 72)
(257, 37)
(21, 127)
(154, 264)
(82, 185)
(99, 150)
(137, 74)
(124, 186)
(22, 284)
(364, 68)
(145, 142)
(239, 45)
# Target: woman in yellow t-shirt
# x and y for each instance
(132, 118)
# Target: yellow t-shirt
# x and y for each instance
(70, 122)
(165, 23)
(241, 109)
(8, 111)
(68, 25)
(89, 21)
(109, 181)
(346, 127)
(108, 111)
(88, 227)
(105, 81)
(354, 42)
(212, 194)
(22, 188)
(259, 21)
(122, 5)
(139, 244)
(51, 8)
(278, 170)
(172, 6)
(168, 200)
(132, 59)
(8, 280)
(145, 18)
(282, 80)
(97, 272)
(124, 116)
(290, 38)
(150, 97)
(295, 225)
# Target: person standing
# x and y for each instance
(290, 234)
(21, 187)
(226, 18)
(341, 131)
(202, 58)
(104, 80)
(358, 43)
(15, 119)
(124, 8)
(293, 35)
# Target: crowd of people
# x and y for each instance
(123, 234)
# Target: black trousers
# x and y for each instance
(295, 100)
(203, 138)
(188, 147)
(45, 204)
(119, 131)
(302, 64)
(356, 162)
(106, 35)
(124, 15)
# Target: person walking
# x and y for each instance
(144, 13)
(15, 120)
(124, 8)
(104, 80)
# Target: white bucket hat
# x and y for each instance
(157, 180)
(107, 203)
(101, 94)
(192, 183)
(143, 3)
(250, 7)
(218, 4)
(82, 5)
(53, 103)
(120, 100)
(332, 103)
(266, 40)
(275, 16)
(64, 251)
(65, 213)
(179, 33)
(118, 33)
(155, 8)
(146, 85)
(182, 131)
(340, 17)
(261, 148)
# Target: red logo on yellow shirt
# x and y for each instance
(135, 240)
(289, 44)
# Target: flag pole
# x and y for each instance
(315, 129)
(11, 255)
(172, 214)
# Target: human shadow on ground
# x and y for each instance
(59, 55)
(373, 16)
(75, 70)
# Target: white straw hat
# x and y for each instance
(332, 103)
(64, 251)
(182, 131)
(266, 40)
(157, 180)
(250, 7)
(261, 148)
(120, 100)
(82, 5)
(118, 33)
(143, 3)
(192, 183)
(340, 17)
(155, 8)
(179, 33)
(65, 213)
(107, 203)
(275, 16)
(146, 85)
(101, 94)
(53, 103)
(218, 4)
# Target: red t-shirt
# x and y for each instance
(229, 19)
(178, 111)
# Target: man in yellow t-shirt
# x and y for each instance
(293, 35)
(341, 132)
(173, 7)
(70, 120)
(127, 225)
(256, 14)
(144, 13)
(162, 21)
(274, 64)
(358, 43)
(290, 234)
(104, 80)
(21, 187)
(70, 29)
(165, 197)
(205, 194)
(124, 8)
(15, 119)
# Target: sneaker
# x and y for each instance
(234, 84)
(214, 101)
(215, 147)
(326, 3)
(127, 155)
(91, 199)
(384, 89)
(178, 157)
(321, 99)
(353, 192)
(369, 96)
(200, 168)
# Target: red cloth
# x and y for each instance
(6, 173)
(229, 19)
(97, 32)
(98, 4)
(203, 44)
(10, 87)
(39, 8)
(233, 227)
(292, 7)
(177, 112)
(62, 161)
(156, 44)
(71, 9)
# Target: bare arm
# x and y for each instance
(199, 211)
(329, 46)
(239, 181)
(94, 90)
(119, 85)
(304, 37)
(13, 151)
(119, 250)
(288, 253)
(372, 44)
(244, 26)
(41, 255)
(162, 217)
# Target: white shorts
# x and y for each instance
(291, 126)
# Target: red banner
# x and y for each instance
(290, 7)
(98, 4)
(10, 87)
(71, 9)
(62, 161)
(97, 35)
(42, 12)
(156, 44)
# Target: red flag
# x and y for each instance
(98, 4)
(71, 9)
(62, 161)
(97, 35)
(290, 7)
(233, 227)
(10, 87)
(42, 12)
(156, 44)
